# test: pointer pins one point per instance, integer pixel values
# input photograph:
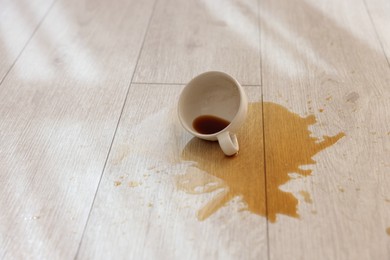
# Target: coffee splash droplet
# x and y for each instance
(306, 196)
(133, 184)
(288, 145)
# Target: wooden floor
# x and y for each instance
(95, 165)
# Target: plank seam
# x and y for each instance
(116, 129)
(179, 83)
(263, 127)
(376, 32)
(28, 41)
(183, 84)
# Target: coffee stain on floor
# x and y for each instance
(288, 146)
(133, 184)
(306, 196)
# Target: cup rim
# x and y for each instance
(237, 85)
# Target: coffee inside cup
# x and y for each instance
(209, 124)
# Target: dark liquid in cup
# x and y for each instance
(208, 124)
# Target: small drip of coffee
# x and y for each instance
(208, 124)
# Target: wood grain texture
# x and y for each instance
(139, 209)
(72, 187)
(18, 21)
(60, 106)
(323, 58)
(187, 38)
(379, 12)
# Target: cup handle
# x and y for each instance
(228, 143)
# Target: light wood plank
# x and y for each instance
(59, 109)
(323, 58)
(141, 211)
(190, 37)
(18, 21)
(379, 11)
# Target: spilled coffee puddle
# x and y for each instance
(288, 146)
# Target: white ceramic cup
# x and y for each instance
(217, 94)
